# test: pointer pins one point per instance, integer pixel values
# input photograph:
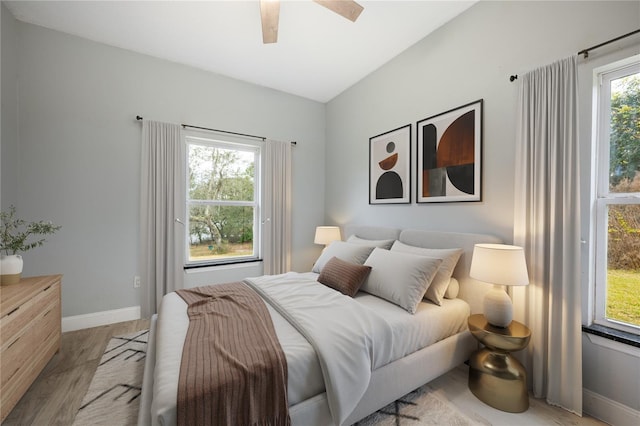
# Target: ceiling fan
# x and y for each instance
(270, 13)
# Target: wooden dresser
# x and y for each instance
(30, 331)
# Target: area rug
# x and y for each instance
(113, 397)
(423, 406)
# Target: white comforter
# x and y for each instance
(350, 339)
(430, 324)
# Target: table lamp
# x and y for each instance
(326, 234)
(499, 264)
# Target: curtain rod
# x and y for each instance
(139, 118)
(223, 131)
(585, 52)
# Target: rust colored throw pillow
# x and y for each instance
(343, 276)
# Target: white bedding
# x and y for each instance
(350, 340)
(431, 323)
(407, 333)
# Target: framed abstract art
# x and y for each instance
(449, 155)
(390, 167)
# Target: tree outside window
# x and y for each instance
(222, 202)
(618, 200)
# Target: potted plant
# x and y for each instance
(14, 238)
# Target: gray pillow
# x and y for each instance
(354, 253)
(449, 258)
(400, 278)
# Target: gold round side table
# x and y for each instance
(495, 377)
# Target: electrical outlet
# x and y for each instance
(136, 282)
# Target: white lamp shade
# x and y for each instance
(327, 234)
(499, 264)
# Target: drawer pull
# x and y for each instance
(14, 342)
(13, 373)
(15, 309)
(47, 288)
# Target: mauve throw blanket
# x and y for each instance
(233, 369)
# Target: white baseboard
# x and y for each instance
(96, 319)
(608, 410)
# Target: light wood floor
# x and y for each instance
(55, 396)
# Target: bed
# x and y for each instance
(427, 342)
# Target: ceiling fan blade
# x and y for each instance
(346, 8)
(270, 14)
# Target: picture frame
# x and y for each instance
(390, 167)
(449, 155)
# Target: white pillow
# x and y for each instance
(453, 289)
(449, 258)
(399, 278)
(385, 244)
(354, 253)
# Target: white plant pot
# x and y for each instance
(10, 269)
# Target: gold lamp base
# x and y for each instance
(499, 380)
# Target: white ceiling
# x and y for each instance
(319, 54)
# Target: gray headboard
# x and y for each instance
(371, 232)
(472, 291)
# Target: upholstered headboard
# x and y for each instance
(371, 232)
(472, 291)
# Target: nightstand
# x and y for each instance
(495, 377)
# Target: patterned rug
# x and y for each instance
(423, 406)
(114, 392)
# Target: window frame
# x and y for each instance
(237, 144)
(601, 196)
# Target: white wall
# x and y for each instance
(79, 157)
(470, 58)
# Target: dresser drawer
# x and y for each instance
(20, 351)
(18, 319)
(30, 331)
(20, 382)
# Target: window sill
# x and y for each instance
(613, 334)
(220, 265)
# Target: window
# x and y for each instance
(223, 201)
(617, 196)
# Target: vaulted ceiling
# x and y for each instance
(318, 55)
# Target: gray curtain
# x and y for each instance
(162, 201)
(276, 228)
(547, 225)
